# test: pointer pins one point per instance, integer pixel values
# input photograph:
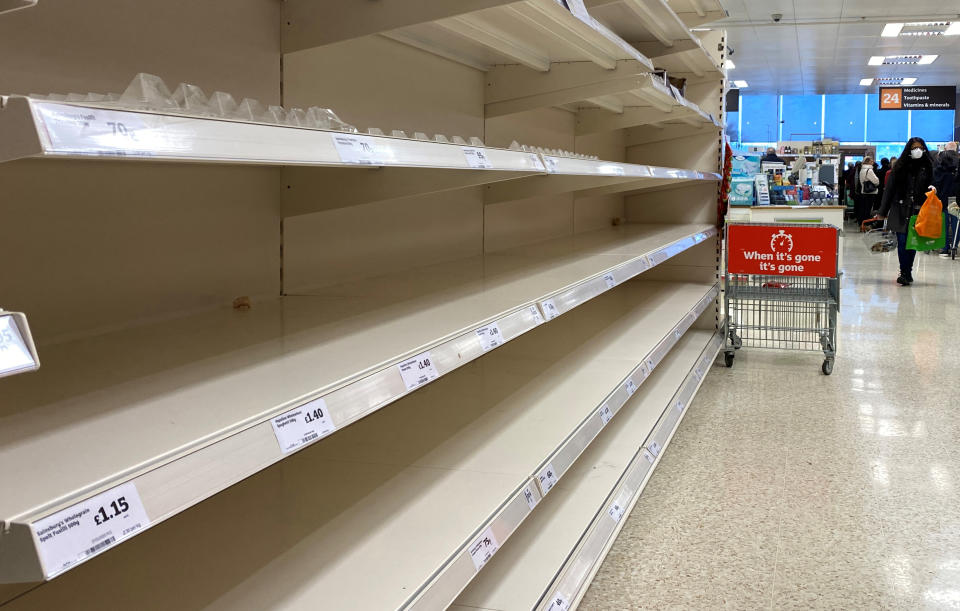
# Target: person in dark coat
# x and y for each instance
(771, 156)
(907, 186)
(882, 174)
(947, 184)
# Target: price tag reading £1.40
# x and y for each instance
(418, 370)
(303, 424)
(89, 527)
(490, 336)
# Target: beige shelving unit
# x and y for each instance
(325, 363)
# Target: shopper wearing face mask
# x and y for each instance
(868, 184)
(906, 190)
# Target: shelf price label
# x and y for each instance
(537, 317)
(552, 163)
(483, 549)
(94, 131)
(490, 336)
(302, 425)
(550, 309)
(537, 164)
(355, 149)
(631, 387)
(654, 448)
(530, 497)
(680, 405)
(547, 478)
(605, 414)
(616, 511)
(650, 457)
(418, 370)
(476, 158)
(559, 602)
(14, 354)
(84, 530)
(610, 280)
(698, 372)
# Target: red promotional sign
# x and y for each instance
(772, 250)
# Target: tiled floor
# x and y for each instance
(787, 489)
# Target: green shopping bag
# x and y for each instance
(915, 242)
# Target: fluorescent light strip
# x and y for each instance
(866, 82)
(741, 84)
(891, 29)
(927, 59)
(876, 60)
(908, 81)
(729, 65)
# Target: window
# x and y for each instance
(885, 125)
(843, 117)
(761, 118)
(932, 125)
(801, 117)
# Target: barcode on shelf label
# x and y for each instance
(89, 527)
(610, 280)
(302, 425)
(550, 309)
(654, 448)
(92, 131)
(355, 149)
(605, 414)
(490, 336)
(537, 317)
(483, 549)
(530, 497)
(631, 387)
(559, 602)
(476, 158)
(680, 405)
(552, 163)
(537, 164)
(418, 370)
(616, 511)
(650, 457)
(14, 354)
(547, 478)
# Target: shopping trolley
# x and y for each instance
(782, 288)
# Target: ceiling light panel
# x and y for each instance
(728, 65)
(865, 82)
(741, 84)
(898, 60)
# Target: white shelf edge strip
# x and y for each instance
(310, 419)
(463, 565)
(575, 576)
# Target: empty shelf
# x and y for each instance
(402, 499)
(38, 128)
(654, 28)
(586, 177)
(185, 408)
(534, 34)
(698, 12)
(555, 553)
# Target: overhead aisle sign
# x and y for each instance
(918, 98)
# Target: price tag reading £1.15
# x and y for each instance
(418, 370)
(476, 158)
(303, 424)
(483, 549)
(490, 336)
(89, 527)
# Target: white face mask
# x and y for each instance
(916, 153)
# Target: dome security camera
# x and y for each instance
(777, 17)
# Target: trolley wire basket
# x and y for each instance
(777, 310)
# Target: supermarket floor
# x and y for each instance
(787, 489)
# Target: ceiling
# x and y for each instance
(824, 46)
